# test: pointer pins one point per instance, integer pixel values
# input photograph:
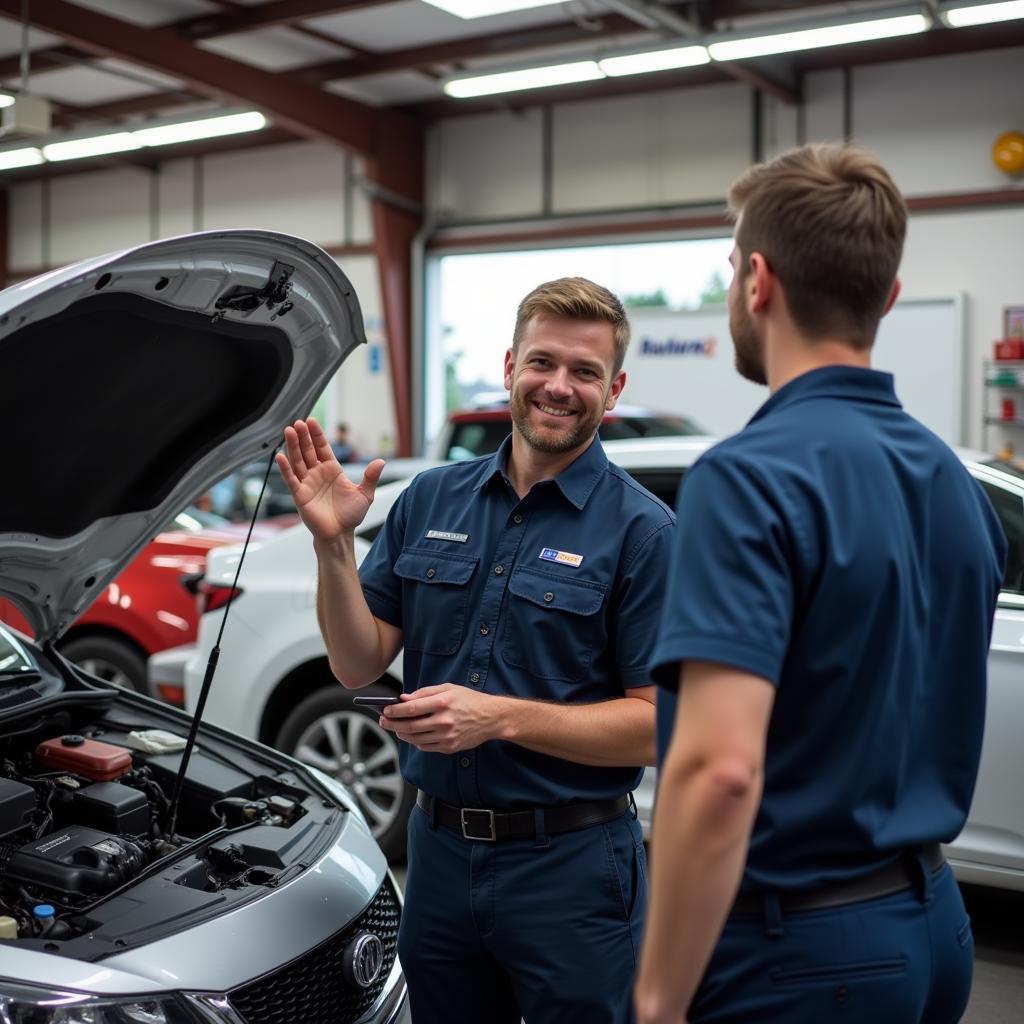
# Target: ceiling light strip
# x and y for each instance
(124, 142)
(526, 78)
(983, 14)
(815, 38)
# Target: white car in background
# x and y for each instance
(273, 682)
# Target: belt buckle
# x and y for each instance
(491, 834)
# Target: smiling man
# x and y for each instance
(525, 589)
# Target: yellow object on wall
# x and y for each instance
(1008, 152)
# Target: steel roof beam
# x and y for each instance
(293, 104)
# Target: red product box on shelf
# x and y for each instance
(1010, 349)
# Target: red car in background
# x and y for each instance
(147, 609)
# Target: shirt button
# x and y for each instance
(498, 570)
(474, 677)
(431, 573)
(465, 762)
(484, 631)
(549, 597)
(517, 519)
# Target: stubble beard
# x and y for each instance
(749, 347)
(547, 441)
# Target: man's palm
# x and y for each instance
(328, 502)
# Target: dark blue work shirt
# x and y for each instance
(554, 597)
(839, 549)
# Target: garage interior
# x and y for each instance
(368, 128)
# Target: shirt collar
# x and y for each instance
(858, 383)
(576, 482)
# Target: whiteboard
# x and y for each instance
(683, 362)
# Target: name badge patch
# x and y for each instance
(458, 538)
(565, 557)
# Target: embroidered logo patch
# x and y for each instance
(565, 557)
(458, 538)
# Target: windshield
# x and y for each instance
(14, 658)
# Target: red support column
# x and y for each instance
(396, 187)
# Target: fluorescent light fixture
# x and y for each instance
(6, 101)
(11, 158)
(206, 128)
(97, 145)
(164, 134)
(814, 38)
(654, 60)
(483, 8)
(527, 78)
(983, 14)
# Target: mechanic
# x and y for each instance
(822, 653)
(525, 588)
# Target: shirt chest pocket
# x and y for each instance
(553, 624)
(435, 594)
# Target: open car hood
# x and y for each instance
(132, 382)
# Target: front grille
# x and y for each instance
(313, 989)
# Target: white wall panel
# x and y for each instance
(977, 253)
(360, 394)
(779, 127)
(823, 106)
(96, 213)
(656, 149)
(933, 122)
(362, 217)
(489, 166)
(296, 188)
(176, 203)
(25, 212)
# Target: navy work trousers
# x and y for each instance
(900, 959)
(547, 928)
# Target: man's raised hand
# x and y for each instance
(328, 502)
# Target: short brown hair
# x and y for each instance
(575, 298)
(831, 224)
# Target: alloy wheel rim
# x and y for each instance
(363, 757)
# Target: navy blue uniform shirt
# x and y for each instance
(839, 549)
(553, 597)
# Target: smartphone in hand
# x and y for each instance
(377, 703)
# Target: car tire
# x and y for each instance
(112, 660)
(331, 733)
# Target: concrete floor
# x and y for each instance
(997, 917)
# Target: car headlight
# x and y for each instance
(22, 1004)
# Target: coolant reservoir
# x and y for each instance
(101, 762)
(8, 927)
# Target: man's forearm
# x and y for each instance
(357, 652)
(701, 830)
(610, 733)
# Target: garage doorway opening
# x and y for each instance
(474, 297)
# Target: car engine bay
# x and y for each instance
(88, 866)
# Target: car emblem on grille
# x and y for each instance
(363, 959)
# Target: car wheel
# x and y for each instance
(329, 732)
(107, 658)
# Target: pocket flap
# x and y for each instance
(434, 566)
(550, 591)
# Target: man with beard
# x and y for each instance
(525, 588)
(822, 653)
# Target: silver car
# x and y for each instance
(137, 883)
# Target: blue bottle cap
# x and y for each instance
(43, 910)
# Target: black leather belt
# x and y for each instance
(488, 826)
(894, 877)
